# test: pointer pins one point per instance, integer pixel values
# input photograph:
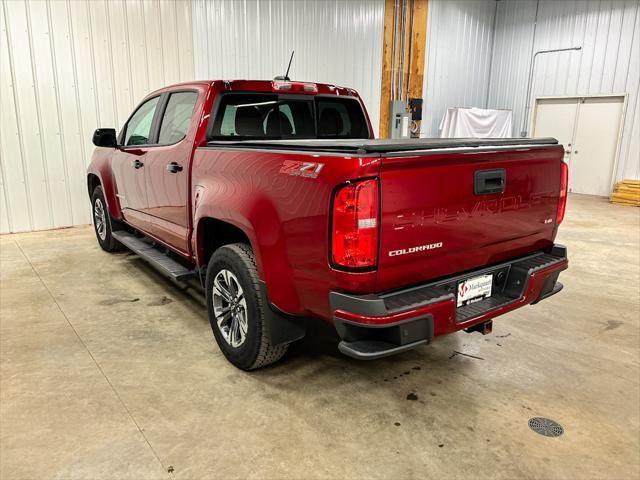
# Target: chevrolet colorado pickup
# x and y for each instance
(275, 197)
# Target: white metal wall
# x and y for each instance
(67, 67)
(609, 62)
(458, 59)
(335, 41)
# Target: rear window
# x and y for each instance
(271, 116)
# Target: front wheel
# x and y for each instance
(103, 223)
(235, 308)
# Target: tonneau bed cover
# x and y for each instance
(383, 146)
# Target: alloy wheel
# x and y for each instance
(230, 308)
(100, 219)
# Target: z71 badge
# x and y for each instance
(301, 169)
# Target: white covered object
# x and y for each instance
(476, 123)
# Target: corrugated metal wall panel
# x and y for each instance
(459, 44)
(336, 42)
(510, 66)
(609, 33)
(66, 68)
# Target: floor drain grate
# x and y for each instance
(546, 427)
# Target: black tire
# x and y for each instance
(104, 236)
(255, 351)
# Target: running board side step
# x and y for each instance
(155, 257)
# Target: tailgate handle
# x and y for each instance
(489, 181)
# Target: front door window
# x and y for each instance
(138, 129)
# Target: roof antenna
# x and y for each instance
(286, 75)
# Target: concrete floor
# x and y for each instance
(110, 371)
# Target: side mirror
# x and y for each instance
(105, 137)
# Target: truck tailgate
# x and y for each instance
(443, 213)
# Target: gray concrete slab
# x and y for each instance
(110, 371)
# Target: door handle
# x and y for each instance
(174, 167)
(137, 164)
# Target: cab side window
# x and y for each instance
(138, 128)
(177, 117)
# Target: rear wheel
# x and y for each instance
(235, 308)
(103, 224)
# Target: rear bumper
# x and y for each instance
(374, 326)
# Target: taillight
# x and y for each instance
(354, 226)
(564, 185)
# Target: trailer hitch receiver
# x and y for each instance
(484, 328)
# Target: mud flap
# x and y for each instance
(282, 328)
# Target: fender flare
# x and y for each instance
(259, 220)
(108, 187)
(282, 328)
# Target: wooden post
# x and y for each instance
(414, 56)
(418, 47)
(387, 65)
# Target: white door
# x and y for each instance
(557, 118)
(595, 144)
(589, 129)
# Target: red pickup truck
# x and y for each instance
(275, 196)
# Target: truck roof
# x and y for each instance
(263, 86)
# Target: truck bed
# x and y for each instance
(384, 147)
